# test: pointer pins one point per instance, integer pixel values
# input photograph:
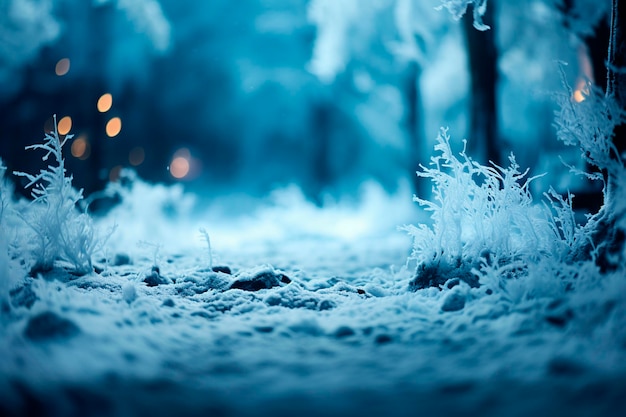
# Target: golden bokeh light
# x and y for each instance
(179, 167)
(105, 102)
(136, 156)
(578, 96)
(62, 67)
(81, 148)
(581, 91)
(65, 125)
(114, 127)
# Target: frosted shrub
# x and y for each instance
(60, 231)
(590, 126)
(478, 212)
(568, 235)
(486, 229)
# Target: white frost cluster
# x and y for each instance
(589, 125)
(351, 30)
(333, 20)
(458, 8)
(58, 231)
(478, 211)
(25, 27)
(583, 15)
(147, 17)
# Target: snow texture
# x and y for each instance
(291, 314)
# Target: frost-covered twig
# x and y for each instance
(156, 248)
(589, 124)
(567, 233)
(207, 239)
(60, 231)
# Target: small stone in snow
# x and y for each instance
(344, 331)
(154, 278)
(50, 326)
(223, 269)
(383, 339)
(453, 301)
(261, 281)
(121, 259)
(264, 329)
(436, 274)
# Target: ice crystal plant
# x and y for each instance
(60, 231)
(477, 212)
(590, 125)
(205, 236)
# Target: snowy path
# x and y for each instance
(353, 342)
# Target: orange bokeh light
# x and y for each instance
(114, 127)
(62, 67)
(81, 148)
(582, 90)
(65, 125)
(179, 167)
(105, 102)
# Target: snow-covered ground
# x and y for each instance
(314, 318)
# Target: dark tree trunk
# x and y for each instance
(609, 236)
(321, 170)
(616, 85)
(483, 68)
(616, 71)
(413, 127)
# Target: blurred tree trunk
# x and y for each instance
(590, 197)
(483, 68)
(99, 22)
(616, 85)
(413, 106)
(616, 68)
(322, 115)
(609, 236)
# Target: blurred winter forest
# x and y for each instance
(245, 96)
